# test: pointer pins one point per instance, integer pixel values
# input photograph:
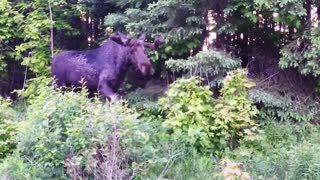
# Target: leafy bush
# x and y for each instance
(27, 34)
(296, 162)
(189, 110)
(43, 137)
(70, 135)
(286, 134)
(34, 88)
(287, 151)
(8, 128)
(303, 53)
(207, 123)
(231, 170)
(283, 108)
(234, 112)
(193, 166)
(146, 99)
(15, 167)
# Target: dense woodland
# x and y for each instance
(234, 91)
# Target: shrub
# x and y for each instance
(284, 108)
(299, 161)
(287, 151)
(8, 118)
(193, 166)
(234, 112)
(207, 123)
(15, 167)
(231, 170)
(70, 135)
(189, 111)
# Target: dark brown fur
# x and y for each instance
(103, 68)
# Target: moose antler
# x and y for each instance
(158, 40)
(120, 38)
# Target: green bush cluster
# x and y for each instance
(207, 123)
(65, 134)
(290, 151)
(189, 111)
(190, 134)
(8, 127)
(275, 106)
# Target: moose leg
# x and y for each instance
(107, 91)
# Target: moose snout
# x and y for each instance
(145, 69)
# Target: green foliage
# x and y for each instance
(212, 65)
(65, 135)
(284, 108)
(303, 53)
(68, 130)
(159, 17)
(25, 31)
(179, 22)
(286, 134)
(289, 13)
(298, 162)
(6, 112)
(8, 128)
(290, 152)
(175, 49)
(31, 91)
(193, 166)
(42, 136)
(191, 110)
(143, 99)
(15, 167)
(234, 112)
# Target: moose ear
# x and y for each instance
(143, 37)
(120, 38)
(158, 40)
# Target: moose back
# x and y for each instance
(103, 69)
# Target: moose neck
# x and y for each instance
(117, 57)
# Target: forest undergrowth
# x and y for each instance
(186, 134)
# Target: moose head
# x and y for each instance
(137, 55)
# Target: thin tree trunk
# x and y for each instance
(308, 7)
(318, 10)
(51, 29)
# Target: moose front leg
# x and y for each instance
(105, 89)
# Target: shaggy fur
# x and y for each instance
(103, 68)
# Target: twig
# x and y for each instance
(170, 161)
(269, 77)
(11, 48)
(25, 78)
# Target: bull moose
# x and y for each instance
(103, 69)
